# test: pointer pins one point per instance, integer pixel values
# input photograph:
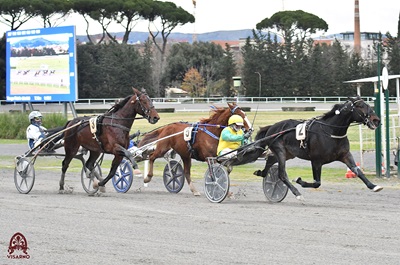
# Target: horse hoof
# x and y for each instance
(146, 180)
(377, 188)
(95, 184)
(257, 173)
(300, 198)
(102, 189)
(196, 193)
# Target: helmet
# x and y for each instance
(235, 119)
(35, 114)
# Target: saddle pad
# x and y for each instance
(93, 124)
(187, 133)
(301, 131)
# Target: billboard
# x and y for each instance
(41, 65)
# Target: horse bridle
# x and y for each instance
(145, 110)
(364, 116)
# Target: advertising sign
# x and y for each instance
(41, 65)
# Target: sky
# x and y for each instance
(216, 15)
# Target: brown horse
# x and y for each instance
(203, 144)
(111, 136)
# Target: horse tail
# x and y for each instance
(150, 137)
(262, 132)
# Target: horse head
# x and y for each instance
(363, 113)
(235, 109)
(146, 107)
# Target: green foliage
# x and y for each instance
(111, 70)
(13, 125)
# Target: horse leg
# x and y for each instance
(268, 164)
(317, 169)
(114, 166)
(349, 161)
(156, 154)
(187, 164)
(65, 165)
(283, 176)
(89, 167)
(147, 179)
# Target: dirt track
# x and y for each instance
(339, 224)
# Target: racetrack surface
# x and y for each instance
(339, 223)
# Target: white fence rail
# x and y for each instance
(107, 101)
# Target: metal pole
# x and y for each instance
(259, 79)
(387, 133)
(378, 131)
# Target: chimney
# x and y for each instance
(357, 37)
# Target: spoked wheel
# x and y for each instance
(87, 179)
(216, 183)
(173, 176)
(24, 175)
(123, 178)
(274, 188)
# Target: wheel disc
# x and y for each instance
(24, 176)
(216, 185)
(123, 178)
(173, 177)
(274, 188)
(88, 178)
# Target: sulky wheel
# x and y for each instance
(274, 188)
(87, 179)
(216, 185)
(123, 178)
(24, 175)
(173, 176)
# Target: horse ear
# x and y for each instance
(230, 105)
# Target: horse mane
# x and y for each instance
(332, 112)
(119, 104)
(216, 111)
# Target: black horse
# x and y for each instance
(111, 136)
(325, 141)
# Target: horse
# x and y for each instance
(203, 144)
(110, 133)
(325, 141)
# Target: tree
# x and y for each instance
(170, 16)
(130, 12)
(193, 83)
(102, 11)
(228, 71)
(51, 11)
(393, 50)
(293, 25)
(16, 13)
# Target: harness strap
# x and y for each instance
(204, 129)
(234, 109)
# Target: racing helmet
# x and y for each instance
(35, 114)
(235, 119)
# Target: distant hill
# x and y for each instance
(36, 42)
(223, 35)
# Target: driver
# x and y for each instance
(232, 137)
(35, 131)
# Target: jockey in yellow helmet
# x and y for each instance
(232, 137)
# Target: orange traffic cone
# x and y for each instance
(350, 174)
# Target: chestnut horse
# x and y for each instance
(204, 141)
(111, 136)
(325, 140)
